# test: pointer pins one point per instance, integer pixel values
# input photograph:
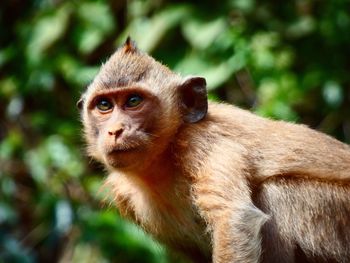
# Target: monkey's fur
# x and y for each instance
(210, 180)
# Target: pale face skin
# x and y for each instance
(126, 124)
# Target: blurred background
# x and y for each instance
(286, 61)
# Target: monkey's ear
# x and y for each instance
(80, 103)
(193, 96)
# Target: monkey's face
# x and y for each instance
(123, 126)
(135, 106)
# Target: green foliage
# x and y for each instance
(285, 61)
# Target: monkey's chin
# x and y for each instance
(124, 159)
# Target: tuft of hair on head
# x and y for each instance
(129, 46)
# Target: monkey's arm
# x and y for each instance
(224, 199)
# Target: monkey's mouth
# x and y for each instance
(122, 149)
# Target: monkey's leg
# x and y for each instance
(224, 200)
(236, 236)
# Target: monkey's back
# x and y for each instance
(309, 220)
(279, 147)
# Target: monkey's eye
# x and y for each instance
(104, 104)
(133, 101)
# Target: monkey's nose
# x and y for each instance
(115, 132)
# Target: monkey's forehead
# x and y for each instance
(124, 69)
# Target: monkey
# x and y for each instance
(309, 220)
(210, 180)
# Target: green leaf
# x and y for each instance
(12, 143)
(148, 32)
(76, 73)
(332, 94)
(45, 32)
(202, 34)
(303, 26)
(97, 22)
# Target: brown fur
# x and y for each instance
(212, 181)
(309, 221)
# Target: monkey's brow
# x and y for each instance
(112, 90)
(119, 90)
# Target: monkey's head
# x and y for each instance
(134, 107)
